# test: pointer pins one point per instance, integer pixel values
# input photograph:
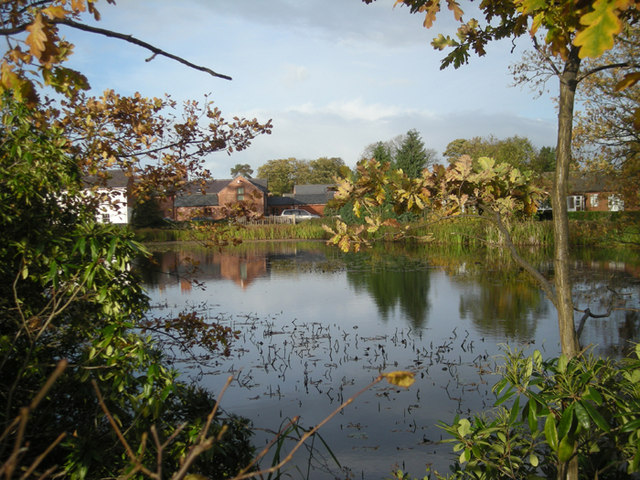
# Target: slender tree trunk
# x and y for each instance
(562, 280)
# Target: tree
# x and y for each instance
(68, 292)
(243, 169)
(280, 174)
(324, 170)
(517, 151)
(572, 32)
(545, 161)
(37, 57)
(607, 131)
(382, 151)
(67, 285)
(412, 157)
(284, 173)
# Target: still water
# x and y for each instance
(316, 326)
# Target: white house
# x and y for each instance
(113, 193)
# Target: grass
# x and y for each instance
(600, 231)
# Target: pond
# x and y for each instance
(316, 326)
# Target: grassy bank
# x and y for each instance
(308, 230)
(603, 230)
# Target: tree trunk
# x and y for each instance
(562, 280)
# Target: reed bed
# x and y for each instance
(463, 231)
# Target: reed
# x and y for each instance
(461, 231)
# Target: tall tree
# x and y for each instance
(572, 31)
(324, 170)
(382, 151)
(282, 174)
(516, 151)
(243, 169)
(545, 160)
(412, 156)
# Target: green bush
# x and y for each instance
(67, 292)
(549, 412)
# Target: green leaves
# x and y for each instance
(602, 24)
(584, 406)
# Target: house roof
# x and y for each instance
(111, 179)
(304, 195)
(193, 195)
(215, 186)
(580, 182)
(312, 189)
(197, 200)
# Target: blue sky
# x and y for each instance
(333, 75)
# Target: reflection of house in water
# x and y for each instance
(189, 267)
(243, 266)
(243, 269)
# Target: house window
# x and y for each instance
(240, 194)
(594, 200)
(575, 203)
(616, 204)
(106, 218)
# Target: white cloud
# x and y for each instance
(294, 74)
(355, 109)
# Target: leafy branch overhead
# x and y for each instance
(36, 58)
(590, 26)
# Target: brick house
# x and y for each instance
(590, 193)
(313, 198)
(593, 193)
(212, 200)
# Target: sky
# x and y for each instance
(334, 76)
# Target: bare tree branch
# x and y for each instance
(140, 43)
(606, 67)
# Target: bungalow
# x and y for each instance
(593, 193)
(313, 198)
(589, 192)
(213, 199)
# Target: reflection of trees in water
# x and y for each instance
(508, 309)
(398, 283)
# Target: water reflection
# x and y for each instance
(398, 282)
(195, 265)
(316, 325)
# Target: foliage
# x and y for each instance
(147, 213)
(35, 50)
(284, 173)
(243, 169)
(516, 151)
(406, 152)
(607, 132)
(68, 292)
(465, 186)
(145, 138)
(384, 152)
(548, 412)
(412, 157)
(324, 170)
(591, 27)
